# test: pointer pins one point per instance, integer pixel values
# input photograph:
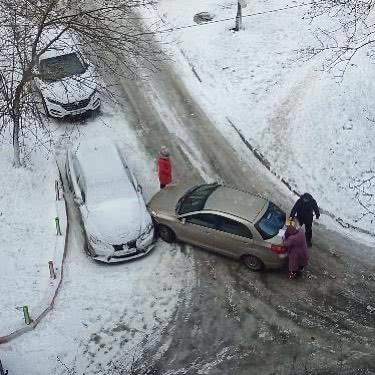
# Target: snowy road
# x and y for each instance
(236, 318)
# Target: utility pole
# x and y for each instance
(240, 4)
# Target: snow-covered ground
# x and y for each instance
(313, 131)
(104, 315)
(312, 128)
(28, 235)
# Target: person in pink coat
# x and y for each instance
(164, 167)
(298, 253)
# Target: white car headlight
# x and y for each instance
(95, 240)
(53, 101)
(99, 245)
(93, 93)
(146, 238)
(146, 232)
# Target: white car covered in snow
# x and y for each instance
(66, 81)
(117, 224)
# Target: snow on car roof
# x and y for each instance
(56, 51)
(65, 44)
(101, 165)
(235, 202)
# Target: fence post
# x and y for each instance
(2, 372)
(26, 315)
(52, 273)
(57, 222)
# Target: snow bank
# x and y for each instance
(29, 241)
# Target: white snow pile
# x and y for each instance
(313, 129)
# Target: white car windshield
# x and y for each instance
(59, 67)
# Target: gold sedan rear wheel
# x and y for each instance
(252, 262)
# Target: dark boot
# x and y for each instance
(308, 233)
(300, 271)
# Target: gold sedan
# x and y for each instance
(224, 220)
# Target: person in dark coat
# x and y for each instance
(304, 208)
(298, 254)
(164, 168)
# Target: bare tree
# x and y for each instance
(345, 27)
(364, 188)
(106, 30)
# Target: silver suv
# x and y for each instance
(222, 219)
(66, 80)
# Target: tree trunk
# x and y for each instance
(16, 144)
(238, 17)
(16, 118)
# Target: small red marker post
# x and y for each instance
(51, 270)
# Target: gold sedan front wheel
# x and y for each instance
(166, 234)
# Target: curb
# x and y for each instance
(48, 300)
(267, 164)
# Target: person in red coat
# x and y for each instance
(164, 168)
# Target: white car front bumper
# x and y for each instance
(107, 253)
(73, 108)
(123, 256)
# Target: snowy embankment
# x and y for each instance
(313, 130)
(29, 240)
